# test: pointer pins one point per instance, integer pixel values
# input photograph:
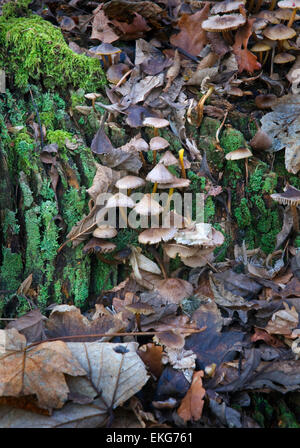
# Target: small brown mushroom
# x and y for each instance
(106, 51)
(261, 141)
(157, 144)
(290, 196)
(266, 101)
(139, 308)
(130, 183)
(174, 289)
(224, 24)
(160, 174)
(105, 232)
(156, 235)
(148, 206)
(290, 4)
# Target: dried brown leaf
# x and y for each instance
(191, 406)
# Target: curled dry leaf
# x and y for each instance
(151, 355)
(37, 370)
(245, 59)
(283, 321)
(191, 406)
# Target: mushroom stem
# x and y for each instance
(123, 214)
(200, 106)
(154, 188)
(295, 218)
(183, 173)
(104, 61)
(109, 60)
(273, 4)
(138, 321)
(265, 58)
(292, 18)
(171, 191)
(154, 157)
(251, 4)
(155, 133)
(129, 191)
(227, 37)
(143, 159)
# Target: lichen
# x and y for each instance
(33, 50)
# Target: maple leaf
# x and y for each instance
(245, 59)
(36, 370)
(192, 404)
(132, 30)
(191, 37)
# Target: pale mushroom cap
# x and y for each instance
(156, 122)
(119, 200)
(259, 24)
(160, 174)
(130, 182)
(148, 206)
(173, 219)
(140, 308)
(105, 49)
(175, 289)
(227, 6)
(168, 159)
(158, 143)
(260, 46)
(105, 232)
(269, 16)
(223, 23)
(292, 4)
(141, 145)
(285, 14)
(92, 96)
(172, 250)
(153, 236)
(291, 196)
(279, 32)
(240, 153)
(261, 141)
(176, 183)
(284, 58)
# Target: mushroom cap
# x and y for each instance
(290, 196)
(265, 101)
(173, 249)
(227, 6)
(284, 58)
(155, 235)
(259, 24)
(261, 141)
(160, 174)
(130, 182)
(223, 23)
(119, 200)
(285, 14)
(176, 183)
(140, 308)
(292, 4)
(168, 159)
(279, 32)
(92, 96)
(141, 145)
(260, 46)
(174, 289)
(105, 232)
(148, 206)
(96, 245)
(105, 49)
(269, 16)
(155, 122)
(173, 219)
(238, 154)
(157, 143)
(171, 339)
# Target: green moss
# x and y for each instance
(209, 209)
(23, 306)
(73, 206)
(26, 191)
(221, 252)
(10, 223)
(126, 237)
(34, 262)
(270, 183)
(231, 140)
(11, 270)
(16, 8)
(87, 164)
(103, 276)
(33, 50)
(232, 174)
(297, 241)
(59, 137)
(243, 214)
(197, 184)
(256, 179)
(287, 419)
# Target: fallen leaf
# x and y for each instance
(31, 325)
(245, 59)
(191, 406)
(101, 29)
(191, 37)
(151, 355)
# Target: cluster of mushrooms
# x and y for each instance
(192, 242)
(272, 27)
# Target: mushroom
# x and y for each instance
(224, 24)
(227, 6)
(106, 51)
(285, 14)
(172, 339)
(174, 289)
(266, 101)
(261, 141)
(156, 144)
(160, 174)
(273, 4)
(105, 232)
(141, 145)
(261, 47)
(279, 33)
(129, 183)
(121, 201)
(155, 123)
(139, 308)
(284, 58)
(290, 4)
(148, 206)
(155, 235)
(269, 16)
(116, 72)
(290, 196)
(238, 154)
(168, 159)
(93, 97)
(96, 245)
